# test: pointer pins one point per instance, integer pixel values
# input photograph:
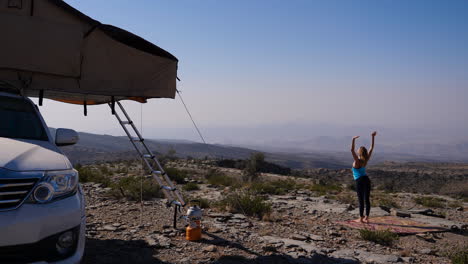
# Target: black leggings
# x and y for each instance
(363, 187)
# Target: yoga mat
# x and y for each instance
(394, 224)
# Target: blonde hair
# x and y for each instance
(363, 156)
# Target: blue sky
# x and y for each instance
(395, 64)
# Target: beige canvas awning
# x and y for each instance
(49, 48)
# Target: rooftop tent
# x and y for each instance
(50, 49)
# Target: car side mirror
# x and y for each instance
(65, 137)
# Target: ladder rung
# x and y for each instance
(126, 122)
(168, 188)
(136, 139)
(148, 156)
(157, 172)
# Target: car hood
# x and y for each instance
(31, 155)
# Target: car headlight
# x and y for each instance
(55, 184)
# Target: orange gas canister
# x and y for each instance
(194, 231)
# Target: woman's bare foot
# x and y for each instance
(359, 220)
(366, 219)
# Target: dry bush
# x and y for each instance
(347, 198)
(89, 174)
(191, 186)
(455, 204)
(383, 237)
(176, 175)
(251, 171)
(384, 199)
(132, 188)
(322, 189)
(272, 217)
(215, 177)
(248, 204)
(204, 203)
(405, 253)
(201, 202)
(458, 255)
(429, 201)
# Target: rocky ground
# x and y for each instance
(300, 229)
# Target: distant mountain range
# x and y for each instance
(457, 152)
(99, 148)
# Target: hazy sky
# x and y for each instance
(390, 64)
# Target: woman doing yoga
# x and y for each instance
(363, 184)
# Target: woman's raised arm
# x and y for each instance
(356, 159)
(372, 144)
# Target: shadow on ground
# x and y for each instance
(219, 241)
(283, 259)
(118, 251)
(270, 259)
(137, 251)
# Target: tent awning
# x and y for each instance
(50, 48)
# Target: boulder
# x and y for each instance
(109, 228)
(210, 248)
(399, 213)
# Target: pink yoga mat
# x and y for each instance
(394, 224)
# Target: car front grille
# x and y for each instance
(14, 191)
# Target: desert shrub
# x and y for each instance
(87, 174)
(249, 204)
(204, 203)
(383, 237)
(347, 199)
(105, 169)
(191, 186)
(216, 177)
(455, 204)
(273, 187)
(199, 201)
(272, 217)
(429, 201)
(323, 189)
(176, 175)
(131, 188)
(171, 153)
(122, 169)
(459, 256)
(165, 158)
(385, 200)
(252, 167)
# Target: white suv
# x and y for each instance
(42, 208)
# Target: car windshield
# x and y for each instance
(19, 120)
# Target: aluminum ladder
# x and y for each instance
(169, 189)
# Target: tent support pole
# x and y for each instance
(41, 97)
(176, 208)
(85, 105)
(113, 105)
